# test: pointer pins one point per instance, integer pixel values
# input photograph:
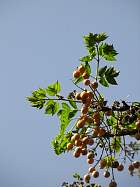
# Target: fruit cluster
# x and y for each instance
(93, 130)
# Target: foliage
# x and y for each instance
(100, 131)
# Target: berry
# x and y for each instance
(86, 178)
(86, 82)
(95, 174)
(131, 167)
(76, 74)
(69, 146)
(106, 174)
(120, 167)
(94, 85)
(91, 169)
(113, 184)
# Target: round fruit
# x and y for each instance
(84, 110)
(91, 169)
(90, 155)
(136, 164)
(85, 75)
(94, 85)
(76, 74)
(90, 161)
(120, 167)
(86, 178)
(96, 117)
(102, 164)
(115, 164)
(85, 140)
(84, 151)
(95, 174)
(78, 96)
(81, 68)
(69, 146)
(80, 124)
(86, 82)
(95, 131)
(137, 136)
(131, 167)
(106, 174)
(101, 132)
(76, 136)
(108, 113)
(113, 184)
(78, 143)
(84, 95)
(90, 141)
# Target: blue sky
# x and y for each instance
(41, 42)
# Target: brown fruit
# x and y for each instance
(136, 164)
(81, 68)
(85, 140)
(95, 131)
(91, 169)
(106, 174)
(102, 164)
(84, 110)
(115, 164)
(76, 74)
(84, 151)
(94, 85)
(101, 132)
(90, 141)
(131, 167)
(90, 155)
(108, 113)
(120, 167)
(76, 154)
(78, 96)
(84, 95)
(90, 161)
(87, 178)
(69, 146)
(96, 118)
(95, 174)
(113, 184)
(76, 136)
(137, 136)
(85, 75)
(86, 82)
(78, 143)
(80, 124)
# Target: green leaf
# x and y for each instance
(78, 80)
(111, 121)
(73, 103)
(37, 99)
(101, 37)
(111, 80)
(90, 39)
(115, 144)
(86, 59)
(52, 107)
(64, 117)
(72, 113)
(59, 143)
(103, 82)
(53, 89)
(87, 68)
(102, 71)
(107, 52)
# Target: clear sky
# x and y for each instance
(41, 42)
